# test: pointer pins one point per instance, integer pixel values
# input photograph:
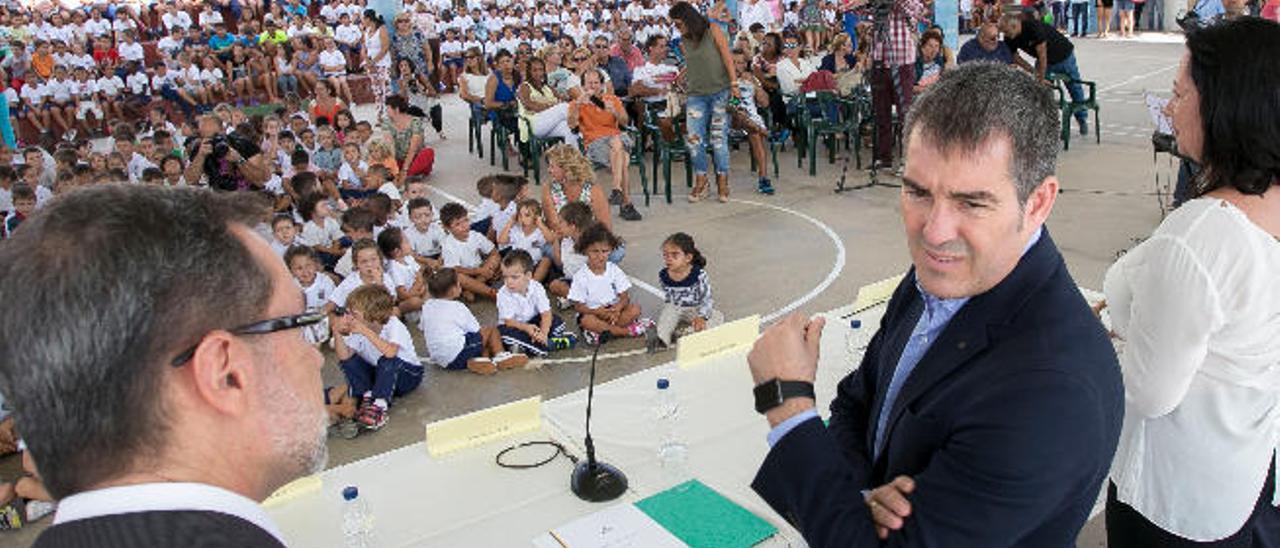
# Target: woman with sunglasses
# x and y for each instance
(474, 78)
(411, 44)
(710, 79)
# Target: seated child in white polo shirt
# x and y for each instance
(454, 338)
(376, 354)
(525, 319)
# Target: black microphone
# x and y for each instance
(595, 481)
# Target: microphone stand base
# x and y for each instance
(597, 482)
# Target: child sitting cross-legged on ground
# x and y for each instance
(454, 338)
(688, 292)
(376, 354)
(599, 291)
(470, 253)
(525, 318)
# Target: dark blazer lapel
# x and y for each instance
(895, 342)
(967, 333)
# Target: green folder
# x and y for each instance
(703, 518)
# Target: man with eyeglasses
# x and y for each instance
(153, 358)
(614, 67)
(986, 46)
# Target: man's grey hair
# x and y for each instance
(102, 289)
(976, 102)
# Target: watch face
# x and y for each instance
(768, 395)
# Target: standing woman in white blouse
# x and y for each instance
(1198, 307)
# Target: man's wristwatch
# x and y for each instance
(773, 392)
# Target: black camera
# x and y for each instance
(340, 311)
(219, 146)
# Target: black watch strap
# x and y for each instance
(773, 392)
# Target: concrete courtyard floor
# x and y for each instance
(805, 249)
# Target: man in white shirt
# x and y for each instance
(652, 80)
(204, 419)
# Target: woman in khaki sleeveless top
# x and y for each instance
(709, 80)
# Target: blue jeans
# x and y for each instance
(1067, 67)
(708, 115)
(390, 377)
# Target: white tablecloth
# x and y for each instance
(465, 499)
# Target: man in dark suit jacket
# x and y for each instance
(183, 393)
(987, 407)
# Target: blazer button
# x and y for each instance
(962, 345)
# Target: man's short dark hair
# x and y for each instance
(451, 212)
(358, 218)
(979, 101)
(518, 257)
(162, 268)
(389, 241)
(296, 251)
(441, 282)
(22, 191)
(1233, 67)
(418, 203)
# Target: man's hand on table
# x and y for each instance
(889, 506)
(788, 350)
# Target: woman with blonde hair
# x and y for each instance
(572, 180)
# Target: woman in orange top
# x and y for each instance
(599, 116)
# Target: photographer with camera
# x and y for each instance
(226, 161)
(893, 60)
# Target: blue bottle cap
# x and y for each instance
(855, 324)
(350, 493)
(663, 384)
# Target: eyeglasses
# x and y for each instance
(602, 46)
(579, 59)
(263, 327)
(790, 46)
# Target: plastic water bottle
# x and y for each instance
(673, 454)
(357, 522)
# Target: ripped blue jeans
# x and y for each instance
(708, 115)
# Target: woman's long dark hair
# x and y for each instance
(695, 25)
(373, 16)
(1235, 66)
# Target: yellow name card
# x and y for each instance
(877, 293)
(699, 347)
(483, 426)
(293, 490)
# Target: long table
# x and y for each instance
(466, 499)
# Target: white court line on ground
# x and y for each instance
(836, 268)
(1136, 78)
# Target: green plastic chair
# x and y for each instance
(1069, 107)
(636, 159)
(499, 133)
(827, 116)
(475, 139)
(533, 148)
(665, 151)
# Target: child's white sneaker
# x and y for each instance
(507, 360)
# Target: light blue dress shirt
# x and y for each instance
(937, 314)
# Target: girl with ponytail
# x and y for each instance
(688, 302)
